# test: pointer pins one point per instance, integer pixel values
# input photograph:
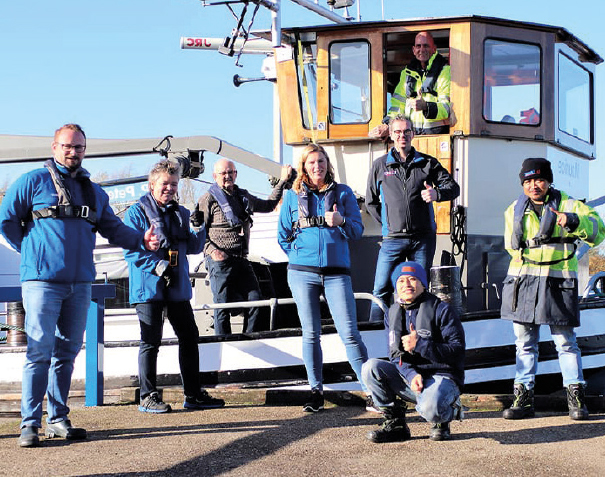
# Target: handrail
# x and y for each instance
(274, 302)
(95, 337)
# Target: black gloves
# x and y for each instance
(197, 216)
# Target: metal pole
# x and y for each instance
(324, 12)
(278, 146)
(276, 26)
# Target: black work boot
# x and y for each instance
(523, 405)
(440, 431)
(577, 402)
(394, 427)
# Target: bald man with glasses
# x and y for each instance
(423, 92)
(226, 210)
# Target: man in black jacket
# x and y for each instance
(401, 188)
(426, 353)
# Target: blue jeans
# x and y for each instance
(55, 320)
(233, 279)
(393, 251)
(570, 358)
(181, 318)
(435, 402)
(307, 287)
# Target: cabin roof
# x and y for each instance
(562, 34)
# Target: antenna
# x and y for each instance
(241, 33)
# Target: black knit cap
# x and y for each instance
(535, 168)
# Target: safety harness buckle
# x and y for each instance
(84, 212)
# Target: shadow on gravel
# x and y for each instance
(538, 434)
(269, 437)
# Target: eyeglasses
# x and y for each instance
(399, 132)
(227, 172)
(69, 147)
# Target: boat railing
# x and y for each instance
(95, 336)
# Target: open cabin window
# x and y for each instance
(398, 54)
(306, 54)
(512, 82)
(350, 82)
(574, 99)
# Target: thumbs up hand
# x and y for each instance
(151, 240)
(409, 341)
(197, 216)
(417, 103)
(334, 219)
(429, 194)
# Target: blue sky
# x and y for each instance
(116, 68)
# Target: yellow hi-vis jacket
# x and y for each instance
(541, 286)
(434, 88)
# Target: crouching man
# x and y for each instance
(426, 351)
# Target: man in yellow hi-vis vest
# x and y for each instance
(541, 288)
(423, 92)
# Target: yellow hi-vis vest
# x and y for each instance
(437, 94)
(531, 261)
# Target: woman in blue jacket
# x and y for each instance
(160, 281)
(317, 219)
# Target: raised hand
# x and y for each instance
(409, 341)
(334, 219)
(150, 240)
(561, 217)
(429, 194)
(197, 216)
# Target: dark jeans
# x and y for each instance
(233, 279)
(393, 251)
(180, 315)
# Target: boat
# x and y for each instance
(334, 83)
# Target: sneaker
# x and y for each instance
(316, 402)
(203, 401)
(154, 404)
(370, 406)
(440, 431)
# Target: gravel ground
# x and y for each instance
(250, 440)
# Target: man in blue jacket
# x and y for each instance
(50, 215)
(402, 186)
(159, 284)
(426, 354)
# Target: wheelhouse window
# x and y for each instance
(306, 55)
(350, 82)
(574, 99)
(511, 82)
